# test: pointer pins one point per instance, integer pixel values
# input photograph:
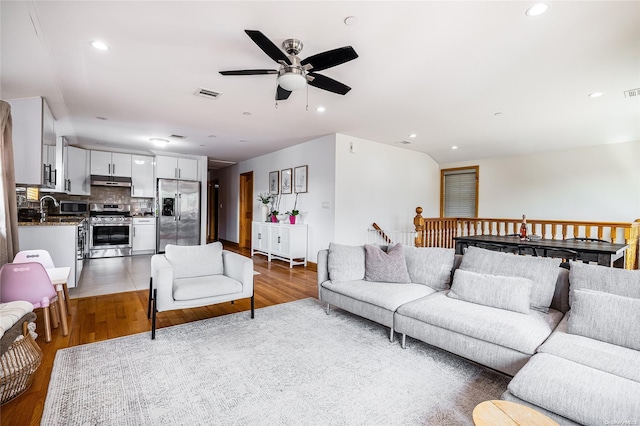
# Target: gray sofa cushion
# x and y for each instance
(513, 330)
(510, 293)
(577, 392)
(601, 278)
(430, 266)
(202, 287)
(606, 317)
(386, 295)
(345, 263)
(381, 266)
(543, 271)
(195, 261)
(614, 359)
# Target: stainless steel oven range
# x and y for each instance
(110, 230)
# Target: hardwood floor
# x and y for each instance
(106, 317)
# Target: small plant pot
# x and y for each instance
(292, 220)
(274, 219)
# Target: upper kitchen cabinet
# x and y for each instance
(110, 164)
(33, 129)
(142, 176)
(77, 180)
(176, 168)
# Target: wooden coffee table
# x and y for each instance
(507, 413)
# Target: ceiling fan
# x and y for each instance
(294, 74)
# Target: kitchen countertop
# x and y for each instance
(55, 221)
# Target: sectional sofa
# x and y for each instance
(510, 313)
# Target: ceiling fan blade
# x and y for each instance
(267, 46)
(329, 84)
(282, 94)
(249, 72)
(330, 58)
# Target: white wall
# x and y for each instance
(382, 184)
(318, 155)
(599, 183)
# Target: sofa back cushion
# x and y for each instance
(510, 293)
(542, 271)
(345, 263)
(622, 282)
(387, 267)
(430, 266)
(195, 261)
(606, 317)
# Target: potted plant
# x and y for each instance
(293, 213)
(265, 199)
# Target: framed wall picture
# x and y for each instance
(300, 179)
(274, 182)
(286, 182)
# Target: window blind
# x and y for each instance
(460, 193)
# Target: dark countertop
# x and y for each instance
(56, 221)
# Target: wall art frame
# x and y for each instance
(274, 182)
(300, 179)
(286, 183)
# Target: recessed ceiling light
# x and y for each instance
(537, 9)
(246, 113)
(405, 142)
(497, 113)
(412, 135)
(159, 142)
(211, 136)
(454, 147)
(100, 45)
(320, 109)
(242, 140)
(350, 20)
(595, 94)
(102, 118)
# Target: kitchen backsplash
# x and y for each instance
(99, 195)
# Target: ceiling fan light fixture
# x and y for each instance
(291, 79)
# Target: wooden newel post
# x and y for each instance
(418, 221)
(632, 237)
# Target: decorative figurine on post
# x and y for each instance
(523, 228)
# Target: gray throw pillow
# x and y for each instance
(510, 293)
(345, 263)
(430, 266)
(622, 282)
(195, 261)
(606, 317)
(389, 267)
(542, 271)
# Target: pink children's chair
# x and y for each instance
(44, 258)
(30, 282)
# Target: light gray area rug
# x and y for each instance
(291, 365)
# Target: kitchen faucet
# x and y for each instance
(43, 214)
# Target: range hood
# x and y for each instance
(98, 180)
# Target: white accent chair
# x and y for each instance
(192, 276)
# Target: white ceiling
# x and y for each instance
(441, 70)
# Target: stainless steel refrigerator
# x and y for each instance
(179, 213)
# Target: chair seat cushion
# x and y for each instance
(386, 295)
(203, 287)
(520, 332)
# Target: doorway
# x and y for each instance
(213, 189)
(246, 209)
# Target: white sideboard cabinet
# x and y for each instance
(280, 241)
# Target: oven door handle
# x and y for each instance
(110, 224)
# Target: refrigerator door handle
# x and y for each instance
(175, 207)
(179, 205)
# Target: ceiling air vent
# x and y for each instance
(178, 136)
(632, 93)
(208, 93)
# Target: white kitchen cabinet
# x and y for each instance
(176, 168)
(33, 129)
(144, 235)
(110, 164)
(76, 166)
(280, 241)
(142, 176)
(60, 240)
